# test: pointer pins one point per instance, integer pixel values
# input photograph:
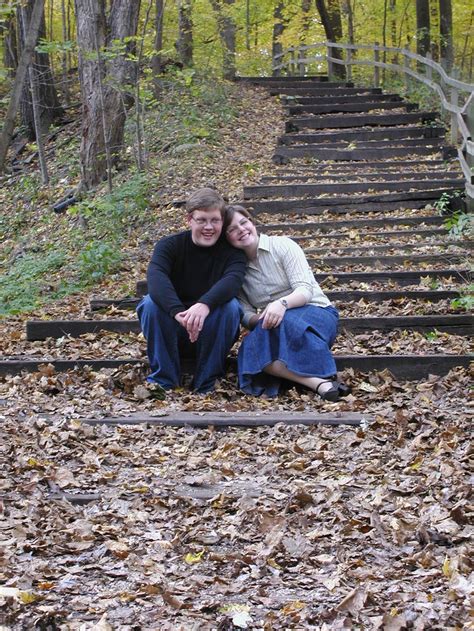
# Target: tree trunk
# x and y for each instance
(278, 28)
(158, 43)
(331, 20)
(446, 33)
(104, 85)
(184, 44)
(349, 13)
(423, 37)
(49, 107)
(10, 47)
(22, 69)
(227, 30)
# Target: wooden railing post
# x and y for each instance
(330, 63)
(348, 64)
(406, 64)
(454, 116)
(469, 120)
(376, 68)
(429, 69)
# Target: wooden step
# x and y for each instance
(459, 324)
(284, 154)
(410, 367)
(329, 100)
(284, 79)
(262, 191)
(401, 277)
(356, 244)
(363, 134)
(351, 177)
(389, 247)
(323, 90)
(325, 226)
(333, 108)
(358, 120)
(357, 203)
(278, 87)
(370, 143)
(387, 165)
(389, 260)
(427, 295)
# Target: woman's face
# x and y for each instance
(241, 233)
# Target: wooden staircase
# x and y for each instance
(355, 177)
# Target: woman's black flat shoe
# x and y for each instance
(329, 395)
(344, 389)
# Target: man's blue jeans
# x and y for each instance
(167, 340)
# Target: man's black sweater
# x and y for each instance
(181, 273)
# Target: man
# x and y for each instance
(193, 278)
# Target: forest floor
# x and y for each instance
(288, 527)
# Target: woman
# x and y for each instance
(292, 323)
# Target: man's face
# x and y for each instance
(206, 226)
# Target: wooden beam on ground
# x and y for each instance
(366, 224)
(402, 366)
(402, 277)
(460, 324)
(332, 108)
(300, 190)
(337, 296)
(348, 135)
(358, 120)
(353, 203)
(235, 419)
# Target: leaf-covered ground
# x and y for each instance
(289, 527)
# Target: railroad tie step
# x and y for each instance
(350, 98)
(351, 135)
(409, 367)
(267, 191)
(376, 202)
(400, 277)
(313, 90)
(285, 154)
(361, 106)
(364, 176)
(98, 303)
(358, 120)
(367, 224)
(459, 324)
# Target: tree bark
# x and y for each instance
(23, 63)
(446, 33)
(49, 107)
(331, 20)
(423, 36)
(158, 43)
(10, 46)
(227, 30)
(184, 44)
(278, 28)
(347, 9)
(104, 84)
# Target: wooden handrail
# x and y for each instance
(447, 90)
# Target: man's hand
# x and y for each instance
(272, 315)
(193, 319)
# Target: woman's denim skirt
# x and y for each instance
(302, 342)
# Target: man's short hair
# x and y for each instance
(205, 199)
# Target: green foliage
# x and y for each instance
(97, 260)
(460, 225)
(445, 203)
(23, 287)
(465, 300)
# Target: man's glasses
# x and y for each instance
(202, 221)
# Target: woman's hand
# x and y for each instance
(272, 315)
